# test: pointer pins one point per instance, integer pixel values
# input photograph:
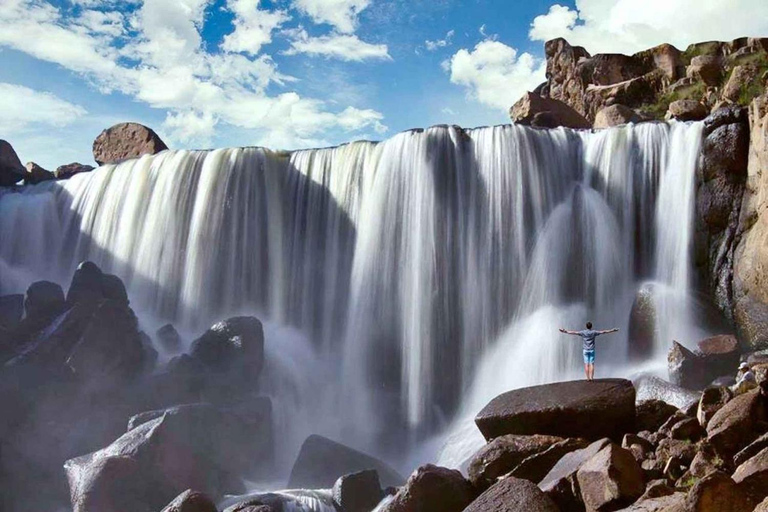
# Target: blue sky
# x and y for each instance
(303, 73)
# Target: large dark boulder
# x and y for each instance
(513, 495)
(717, 492)
(752, 476)
(36, 174)
(715, 356)
(591, 410)
(87, 284)
(194, 446)
(642, 324)
(321, 461)
(169, 338)
(536, 466)
(66, 171)
(561, 482)
(612, 478)
(191, 501)
(712, 400)
(737, 424)
(651, 414)
(357, 492)
(502, 455)
(650, 387)
(432, 489)
(126, 140)
(11, 169)
(535, 110)
(44, 300)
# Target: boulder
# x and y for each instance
(357, 492)
(11, 170)
(707, 68)
(684, 367)
(540, 112)
(615, 115)
(656, 489)
(650, 387)
(191, 501)
(44, 299)
(612, 478)
(601, 408)
(716, 492)
(752, 476)
(513, 495)
(321, 461)
(87, 285)
(671, 503)
(735, 425)
(192, 446)
(502, 455)
(66, 171)
(642, 323)
(687, 430)
(669, 448)
(11, 310)
(536, 466)
(714, 357)
(687, 110)
(751, 450)
(179, 381)
(169, 338)
(741, 77)
(720, 354)
(126, 140)
(705, 462)
(432, 489)
(561, 482)
(652, 414)
(762, 506)
(36, 174)
(712, 400)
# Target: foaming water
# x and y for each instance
(409, 280)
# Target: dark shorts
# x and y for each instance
(589, 357)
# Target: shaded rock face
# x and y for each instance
(357, 492)
(540, 112)
(432, 489)
(642, 324)
(750, 292)
(561, 482)
(36, 174)
(191, 501)
(11, 169)
(321, 461)
(126, 140)
(513, 495)
(717, 492)
(721, 180)
(651, 414)
(64, 172)
(536, 466)
(715, 356)
(610, 479)
(735, 425)
(752, 476)
(712, 400)
(601, 408)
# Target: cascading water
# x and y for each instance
(432, 270)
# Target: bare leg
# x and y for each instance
(586, 370)
(592, 372)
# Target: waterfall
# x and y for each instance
(433, 269)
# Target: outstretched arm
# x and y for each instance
(609, 331)
(564, 331)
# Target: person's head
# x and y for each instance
(743, 367)
(589, 325)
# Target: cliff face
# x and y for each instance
(708, 75)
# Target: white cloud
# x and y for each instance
(440, 43)
(340, 46)
(165, 64)
(629, 26)
(494, 74)
(342, 14)
(448, 111)
(253, 26)
(22, 108)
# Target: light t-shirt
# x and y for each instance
(588, 335)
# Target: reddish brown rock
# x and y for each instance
(652, 414)
(734, 426)
(712, 400)
(536, 466)
(36, 174)
(64, 172)
(561, 482)
(126, 140)
(687, 110)
(752, 476)
(610, 479)
(502, 455)
(615, 115)
(191, 501)
(513, 495)
(11, 169)
(432, 489)
(540, 112)
(707, 68)
(716, 492)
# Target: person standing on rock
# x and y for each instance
(588, 336)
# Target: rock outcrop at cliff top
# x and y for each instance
(591, 410)
(126, 140)
(11, 169)
(540, 112)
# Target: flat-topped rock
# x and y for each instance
(591, 410)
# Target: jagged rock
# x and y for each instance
(36, 174)
(321, 461)
(561, 483)
(11, 170)
(741, 76)
(734, 426)
(752, 476)
(751, 450)
(615, 115)
(642, 324)
(191, 501)
(536, 466)
(716, 492)
(432, 489)
(671, 503)
(513, 495)
(502, 455)
(540, 112)
(601, 408)
(126, 140)
(64, 172)
(666, 428)
(86, 286)
(639, 447)
(720, 353)
(688, 430)
(169, 338)
(44, 299)
(669, 448)
(610, 479)
(687, 110)
(357, 492)
(707, 68)
(652, 414)
(656, 489)
(705, 462)
(714, 356)
(193, 446)
(712, 400)
(684, 367)
(650, 387)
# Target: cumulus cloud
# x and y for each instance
(629, 26)
(165, 64)
(347, 47)
(440, 43)
(494, 74)
(22, 108)
(341, 14)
